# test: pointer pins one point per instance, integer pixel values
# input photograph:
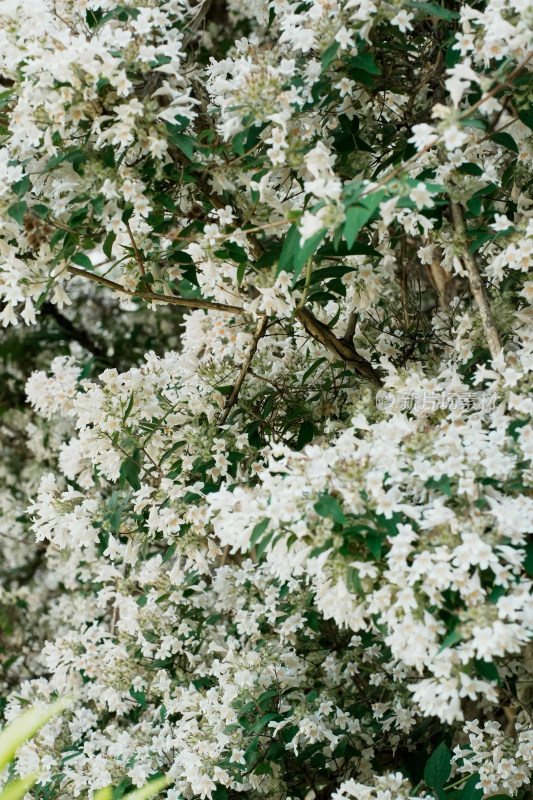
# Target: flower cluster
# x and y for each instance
(230, 231)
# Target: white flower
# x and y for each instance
(319, 160)
(454, 137)
(423, 135)
(402, 20)
(309, 225)
(343, 38)
(421, 196)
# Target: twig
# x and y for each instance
(350, 328)
(177, 301)
(498, 86)
(135, 249)
(464, 115)
(476, 284)
(197, 21)
(257, 229)
(232, 399)
(225, 555)
(342, 349)
(115, 614)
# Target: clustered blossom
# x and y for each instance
(217, 223)
(503, 763)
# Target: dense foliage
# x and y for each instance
(266, 509)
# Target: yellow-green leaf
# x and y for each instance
(23, 728)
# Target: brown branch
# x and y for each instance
(232, 399)
(476, 283)
(176, 301)
(441, 280)
(342, 349)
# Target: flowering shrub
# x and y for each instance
(266, 273)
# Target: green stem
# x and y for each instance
(461, 780)
(307, 283)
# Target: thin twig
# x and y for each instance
(135, 249)
(476, 283)
(498, 86)
(176, 301)
(221, 236)
(232, 399)
(371, 189)
(195, 23)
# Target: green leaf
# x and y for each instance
(139, 697)
(17, 211)
(306, 433)
(528, 562)
(258, 531)
(77, 217)
(104, 794)
(263, 544)
(438, 767)
(23, 728)
(263, 768)
(21, 187)
(288, 734)
(374, 541)
(151, 789)
(108, 244)
(366, 63)
(452, 638)
(184, 143)
(307, 374)
(130, 471)
(487, 669)
(5, 97)
(303, 254)
(290, 247)
(506, 140)
(354, 581)
(474, 205)
(238, 141)
(329, 54)
(469, 168)
(54, 161)
(166, 201)
(82, 261)
(469, 792)
(264, 721)
(358, 215)
(241, 270)
(526, 116)
(441, 484)
(432, 9)
(40, 210)
(14, 790)
(328, 506)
